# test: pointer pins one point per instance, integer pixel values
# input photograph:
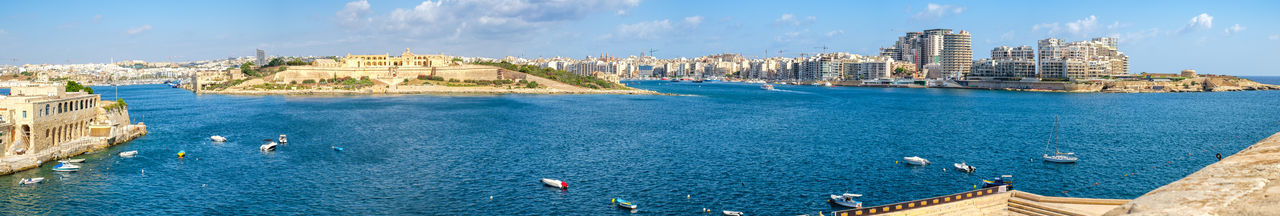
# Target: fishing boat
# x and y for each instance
(964, 167)
(732, 213)
(283, 140)
(217, 138)
(27, 181)
(271, 146)
(1057, 156)
(66, 167)
(624, 203)
(915, 160)
(78, 160)
(766, 87)
(555, 183)
(845, 200)
(999, 181)
(129, 154)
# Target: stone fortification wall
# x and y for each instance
(463, 72)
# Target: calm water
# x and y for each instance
(729, 146)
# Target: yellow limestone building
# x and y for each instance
(387, 68)
(36, 118)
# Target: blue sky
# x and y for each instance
(1236, 38)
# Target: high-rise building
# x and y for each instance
(952, 52)
(262, 58)
(1095, 58)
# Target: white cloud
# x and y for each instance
(644, 30)
(138, 30)
(1233, 29)
(1272, 37)
(835, 33)
(1198, 23)
(97, 18)
(1082, 27)
(622, 12)
(354, 13)
(485, 19)
(796, 21)
(934, 11)
(693, 20)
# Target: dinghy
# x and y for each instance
(846, 200)
(624, 204)
(66, 167)
(78, 160)
(964, 167)
(732, 213)
(129, 154)
(217, 138)
(27, 181)
(914, 160)
(555, 183)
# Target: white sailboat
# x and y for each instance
(1058, 156)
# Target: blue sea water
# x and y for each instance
(722, 146)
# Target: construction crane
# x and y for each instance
(651, 51)
(823, 47)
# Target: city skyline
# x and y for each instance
(1223, 39)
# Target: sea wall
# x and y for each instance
(1051, 86)
(315, 73)
(1246, 183)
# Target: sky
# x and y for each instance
(1227, 37)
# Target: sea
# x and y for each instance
(713, 146)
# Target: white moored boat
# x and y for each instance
(78, 160)
(962, 167)
(271, 146)
(66, 167)
(914, 160)
(1057, 156)
(129, 154)
(27, 181)
(846, 200)
(283, 140)
(766, 87)
(217, 138)
(555, 183)
(732, 213)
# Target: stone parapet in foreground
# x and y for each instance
(1247, 183)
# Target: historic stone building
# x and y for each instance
(40, 117)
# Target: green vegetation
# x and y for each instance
(72, 86)
(26, 73)
(119, 105)
(247, 69)
(225, 85)
(558, 75)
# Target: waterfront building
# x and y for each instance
(951, 51)
(1006, 63)
(1096, 58)
(40, 117)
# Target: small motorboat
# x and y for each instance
(766, 86)
(964, 167)
(915, 160)
(335, 148)
(283, 140)
(624, 204)
(732, 213)
(826, 84)
(28, 181)
(66, 167)
(999, 181)
(846, 200)
(555, 183)
(815, 84)
(78, 160)
(217, 138)
(271, 146)
(129, 154)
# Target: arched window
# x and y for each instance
(46, 109)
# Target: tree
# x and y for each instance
(247, 69)
(72, 86)
(275, 62)
(899, 71)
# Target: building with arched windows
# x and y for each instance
(36, 118)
